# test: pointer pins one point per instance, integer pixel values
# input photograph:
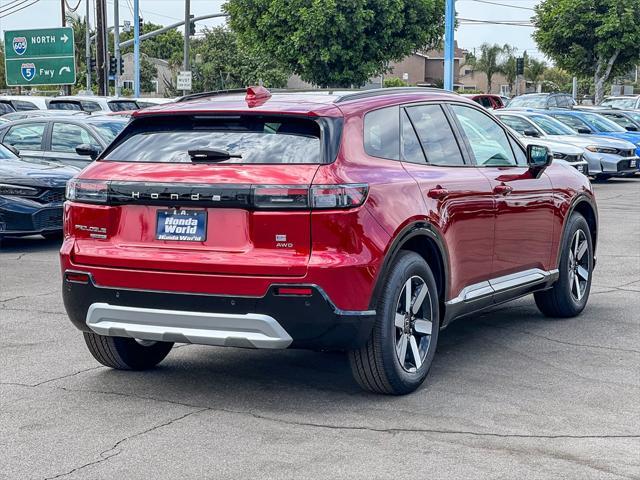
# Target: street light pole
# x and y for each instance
(449, 20)
(187, 28)
(116, 45)
(87, 45)
(136, 48)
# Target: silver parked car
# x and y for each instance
(71, 140)
(607, 157)
(571, 154)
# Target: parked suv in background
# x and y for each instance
(361, 221)
(542, 100)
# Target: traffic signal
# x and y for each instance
(140, 22)
(520, 66)
(92, 64)
(121, 66)
(192, 28)
(113, 65)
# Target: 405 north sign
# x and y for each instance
(44, 56)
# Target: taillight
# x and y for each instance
(89, 191)
(338, 196)
(317, 197)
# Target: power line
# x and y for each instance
(513, 23)
(16, 11)
(15, 3)
(503, 5)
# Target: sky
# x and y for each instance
(46, 13)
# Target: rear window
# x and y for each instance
(247, 139)
(57, 105)
(531, 101)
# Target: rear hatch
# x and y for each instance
(204, 194)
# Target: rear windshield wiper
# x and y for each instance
(211, 155)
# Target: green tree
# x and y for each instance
(3, 78)
(598, 38)
(394, 82)
(508, 64)
(335, 42)
(488, 62)
(555, 79)
(79, 26)
(220, 61)
(534, 70)
(148, 73)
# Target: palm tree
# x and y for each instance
(508, 65)
(534, 70)
(488, 61)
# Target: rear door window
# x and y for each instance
(6, 108)
(411, 149)
(228, 139)
(65, 137)
(382, 133)
(435, 134)
(27, 136)
(520, 125)
(122, 105)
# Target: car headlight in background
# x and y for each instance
(596, 149)
(558, 155)
(8, 189)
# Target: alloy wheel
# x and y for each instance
(579, 265)
(413, 324)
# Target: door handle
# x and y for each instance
(503, 189)
(438, 193)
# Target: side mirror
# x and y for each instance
(538, 157)
(584, 130)
(12, 149)
(531, 133)
(632, 128)
(85, 149)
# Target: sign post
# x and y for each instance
(43, 56)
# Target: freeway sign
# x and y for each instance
(44, 56)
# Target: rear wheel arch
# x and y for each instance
(423, 239)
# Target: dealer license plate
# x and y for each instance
(182, 225)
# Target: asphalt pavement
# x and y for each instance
(511, 394)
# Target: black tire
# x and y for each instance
(53, 235)
(563, 300)
(126, 353)
(602, 177)
(376, 366)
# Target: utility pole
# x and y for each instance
(187, 28)
(102, 65)
(449, 20)
(116, 44)
(136, 48)
(87, 45)
(63, 11)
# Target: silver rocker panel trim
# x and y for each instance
(250, 330)
(501, 284)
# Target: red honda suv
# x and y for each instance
(359, 221)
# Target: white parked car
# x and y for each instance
(20, 103)
(90, 103)
(144, 102)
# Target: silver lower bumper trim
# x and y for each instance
(250, 330)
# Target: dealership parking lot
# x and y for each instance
(511, 394)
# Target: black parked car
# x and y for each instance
(71, 140)
(31, 196)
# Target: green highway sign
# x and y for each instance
(44, 56)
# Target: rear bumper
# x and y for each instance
(271, 321)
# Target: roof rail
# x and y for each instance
(375, 92)
(213, 93)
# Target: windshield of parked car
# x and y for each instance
(122, 105)
(551, 126)
(635, 116)
(247, 139)
(601, 124)
(530, 101)
(629, 102)
(108, 130)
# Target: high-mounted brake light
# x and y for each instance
(257, 96)
(90, 191)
